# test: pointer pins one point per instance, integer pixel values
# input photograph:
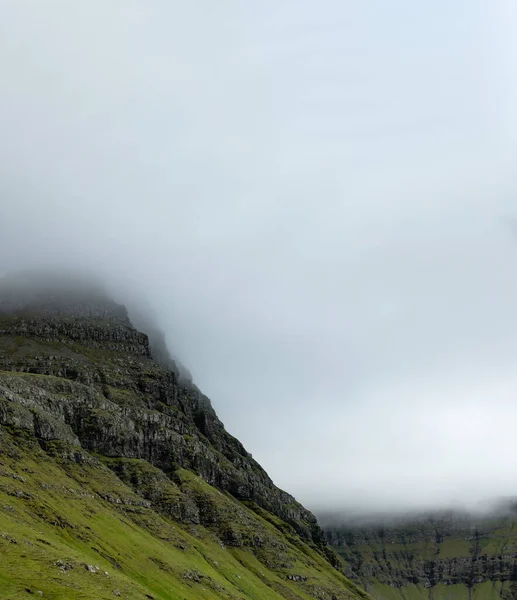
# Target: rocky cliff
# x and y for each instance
(102, 440)
(440, 555)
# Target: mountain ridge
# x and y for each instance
(442, 554)
(81, 394)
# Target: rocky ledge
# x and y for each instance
(440, 549)
(74, 369)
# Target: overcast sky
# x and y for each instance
(318, 199)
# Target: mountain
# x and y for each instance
(117, 479)
(452, 555)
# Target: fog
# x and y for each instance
(316, 201)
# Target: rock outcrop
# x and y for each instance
(443, 549)
(79, 385)
(105, 391)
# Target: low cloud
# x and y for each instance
(314, 204)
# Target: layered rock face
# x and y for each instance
(456, 550)
(106, 393)
(118, 478)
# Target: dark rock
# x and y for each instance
(410, 551)
(76, 373)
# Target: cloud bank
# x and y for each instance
(317, 203)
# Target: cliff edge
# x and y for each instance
(118, 478)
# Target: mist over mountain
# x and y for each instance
(310, 205)
(126, 465)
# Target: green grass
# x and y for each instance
(451, 548)
(408, 592)
(83, 513)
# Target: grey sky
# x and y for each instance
(315, 198)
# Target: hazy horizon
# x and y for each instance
(317, 203)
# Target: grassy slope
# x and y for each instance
(51, 510)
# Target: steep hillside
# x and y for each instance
(453, 556)
(117, 479)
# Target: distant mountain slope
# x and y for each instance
(110, 464)
(449, 555)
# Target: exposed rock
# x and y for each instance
(128, 437)
(64, 566)
(103, 391)
(448, 549)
